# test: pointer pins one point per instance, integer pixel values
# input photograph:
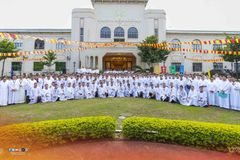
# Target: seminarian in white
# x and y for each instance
(114, 21)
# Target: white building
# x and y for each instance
(114, 21)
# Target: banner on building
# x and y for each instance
(172, 70)
(182, 70)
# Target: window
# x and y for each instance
(132, 32)
(119, 32)
(60, 44)
(196, 45)
(18, 44)
(60, 67)
(38, 66)
(105, 32)
(235, 67)
(81, 34)
(218, 66)
(217, 47)
(17, 66)
(178, 65)
(39, 44)
(197, 67)
(156, 32)
(176, 44)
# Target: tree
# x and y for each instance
(49, 59)
(6, 46)
(151, 55)
(231, 57)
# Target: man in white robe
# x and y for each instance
(4, 92)
(224, 93)
(212, 92)
(62, 93)
(146, 91)
(192, 98)
(164, 92)
(35, 94)
(158, 92)
(182, 96)
(111, 90)
(13, 91)
(54, 93)
(127, 91)
(46, 94)
(172, 93)
(120, 91)
(202, 97)
(235, 95)
(21, 91)
(102, 91)
(70, 91)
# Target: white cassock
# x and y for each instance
(127, 92)
(182, 97)
(234, 96)
(62, 94)
(224, 94)
(46, 95)
(202, 99)
(80, 93)
(212, 93)
(102, 92)
(13, 95)
(146, 92)
(70, 93)
(164, 93)
(21, 91)
(173, 94)
(54, 94)
(158, 93)
(111, 91)
(139, 90)
(120, 91)
(35, 93)
(3, 93)
(87, 92)
(134, 91)
(192, 98)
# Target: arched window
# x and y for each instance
(217, 46)
(132, 32)
(196, 45)
(176, 44)
(60, 44)
(119, 32)
(39, 44)
(18, 44)
(105, 32)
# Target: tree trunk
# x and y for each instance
(3, 66)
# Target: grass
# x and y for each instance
(114, 107)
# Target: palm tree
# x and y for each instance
(6, 46)
(49, 59)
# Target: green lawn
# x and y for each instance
(114, 107)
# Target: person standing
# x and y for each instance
(224, 93)
(13, 91)
(235, 94)
(4, 92)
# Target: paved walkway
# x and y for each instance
(125, 150)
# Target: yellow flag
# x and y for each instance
(209, 73)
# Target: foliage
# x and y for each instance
(151, 55)
(213, 136)
(49, 58)
(45, 133)
(231, 47)
(6, 46)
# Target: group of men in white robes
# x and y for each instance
(188, 90)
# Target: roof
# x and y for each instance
(202, 32)
(120, 1)
(36, 30)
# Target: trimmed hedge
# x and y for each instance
(212, 136)
(45, 133)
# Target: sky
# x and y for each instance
(181, 14)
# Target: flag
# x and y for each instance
(209, 73)
(182, 70)
(172, 70)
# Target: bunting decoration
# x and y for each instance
(205, 60)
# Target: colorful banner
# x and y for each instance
(206, 60)
(157, 69)
(182, 70)
(209, 73)
(173, 70)
(163, 69)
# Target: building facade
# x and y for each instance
(114, 21)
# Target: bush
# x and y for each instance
(213, 136)
(45, 133)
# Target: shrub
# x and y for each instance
(213, 136)
(45, 133)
